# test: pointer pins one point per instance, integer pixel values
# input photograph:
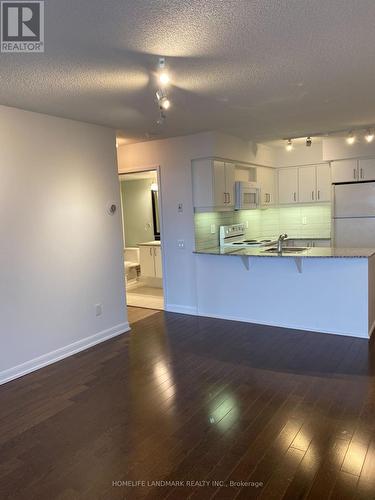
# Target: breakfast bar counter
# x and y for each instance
(328, 290)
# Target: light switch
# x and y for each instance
(213, 228)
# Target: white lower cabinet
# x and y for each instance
(150, 261)
(157, 260)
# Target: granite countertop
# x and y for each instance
(314, 252)
(150, 244)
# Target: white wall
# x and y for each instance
(61, 252)
(336, 148)
(299, 155)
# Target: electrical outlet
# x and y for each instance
(181, 244)
(98, 310)
(180, 208)
(304, 220)
(213, 228)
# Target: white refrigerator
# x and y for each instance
(354, 215)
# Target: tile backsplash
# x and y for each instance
(302, 221)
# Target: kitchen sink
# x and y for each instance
(286, 249)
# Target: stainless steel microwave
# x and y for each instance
(247, 196)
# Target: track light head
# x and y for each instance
(369, 136)
(163, 101)
(351, 138)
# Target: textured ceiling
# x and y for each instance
(260, 69)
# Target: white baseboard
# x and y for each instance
(280, 325)
(176, 308)
(61, 353)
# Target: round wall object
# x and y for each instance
(111, 208)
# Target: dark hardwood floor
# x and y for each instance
(214, 409)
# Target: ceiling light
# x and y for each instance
(369, 136)
(351, 138)
(308, 141)
(289, 146)
(163, 101)
(164, 79)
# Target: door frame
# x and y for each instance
(148, 168)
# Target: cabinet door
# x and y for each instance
(266, 179)
(367, 170)
(147, 261)
(220, 196)
(229, 183)
(288, 185)
(306, 184)
(344, 171)
(323, 183)
(158, 264)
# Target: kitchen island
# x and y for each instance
(329, 290)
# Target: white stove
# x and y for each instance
(234, 236)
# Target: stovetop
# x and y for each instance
(234, 235)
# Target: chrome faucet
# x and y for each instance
(282, 237)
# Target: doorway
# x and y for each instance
(140, 208)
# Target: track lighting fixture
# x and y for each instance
(351, 138)
(369, 136)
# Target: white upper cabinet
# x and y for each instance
(288, 185)
(366, 170)
(344, 171)
(213, 185)
(266, 179)
(323, 183)
(229, 172)
(307, 184)
(353, 170)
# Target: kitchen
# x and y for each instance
(301, 243)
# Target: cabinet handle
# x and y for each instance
(228, 197)
(318, 195)
(269, 198)
(361, 173)
(151, 251)
(354, 173)
(225, 198)
(294, 196)
(312, 195)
